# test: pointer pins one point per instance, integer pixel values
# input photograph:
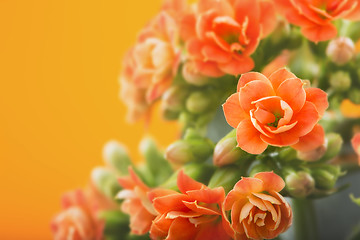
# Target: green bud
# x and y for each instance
(299, 184)
(180, 152)
(354, 95)
(227, 152)
(154, 158)
(187, 120)
(200, 172)
(340, 50)
(334, 143)
(116, 224)
(116, 157)
(199, 102)
(173, 101)
(226, 177)
(326, 176)
(340, 81)
(287, 154)
(105, 181)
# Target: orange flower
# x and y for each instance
(150, 66)
(275, 111)
(315, 17)
(258, 211)
(350, 109)
(78, 220)
(195, 213)
(355, 142)
(136, 203)
(222, 34)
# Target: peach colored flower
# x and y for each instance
(136, 203)
(222, 34)
(258, 211)
(315, 17)
(150, 66)
(275, 111)
(194, 214)
(77, 221)
(355, 142)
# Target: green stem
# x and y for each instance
(304, 219)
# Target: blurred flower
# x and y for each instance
(340, 81)
(192, 75)
(275, 111)
(258, 211)
(340, 50)
(136, 203)
(350, 109)
(79, 220)
(195, 213)
(150, 66)
(355, 142)
(279, 62)
(222, 34)
(315, 17)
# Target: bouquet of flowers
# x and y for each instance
(267, 94)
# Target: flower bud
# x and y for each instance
(340, 81)
(312, 155)
(334, 143)
(105, 181)
(340, 50)
(325, 176)
(116, 157)
(299, 184)
(198, 102)
(198, 171)
(226, 177)
(173, 101)
(192, 76)
(260, 167)
(227, 152)
(354, 95)
(287, 154)
(116, 224)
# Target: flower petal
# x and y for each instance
(271, 181)
(292, 92)
(253, 91)
(279, 77)
(233, 112)
(248, 185)
(250, 76)
(312, 140)
(248, 138)
(208, 195)
(319, 98)
(237, 65)
(186, 183)
(176, 230)
(318, 33)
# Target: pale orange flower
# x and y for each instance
(315, 17)
(194, 214)
(275, 111)
(136, 203)
(222, 34)
(258, 211)
(355, 142)
(78, 220)
(150, 66)
(350, 109)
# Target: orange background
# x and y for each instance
(59, 67)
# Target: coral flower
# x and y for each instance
(258, 211)
(355, 142)
(77, 221)
(195, 213)
(222, 34)
(275, 111)
(150, 66)
(136, 203)
(315, 17)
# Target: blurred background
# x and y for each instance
(59, 67)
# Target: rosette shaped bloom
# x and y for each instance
(150, 66)
(275, 111)
(315, 17)
(222, 34)
(258, 211)
(78, 219)
(136, 203)
(195, 213)
(355, 142)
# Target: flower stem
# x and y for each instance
(304, 219)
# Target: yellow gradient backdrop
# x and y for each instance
(59, 65)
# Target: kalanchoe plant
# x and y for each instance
(285, 77)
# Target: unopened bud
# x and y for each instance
(340, 50)
(312, 155)
(226, 150)
(192, 76)
(299, 184)
(340, 81)
(326, 176)
(173, 101)
(116, 157)
(334, 143)
(226, 177)
(105, 181)
(200, 172)
(287, 154)
(199, 102)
